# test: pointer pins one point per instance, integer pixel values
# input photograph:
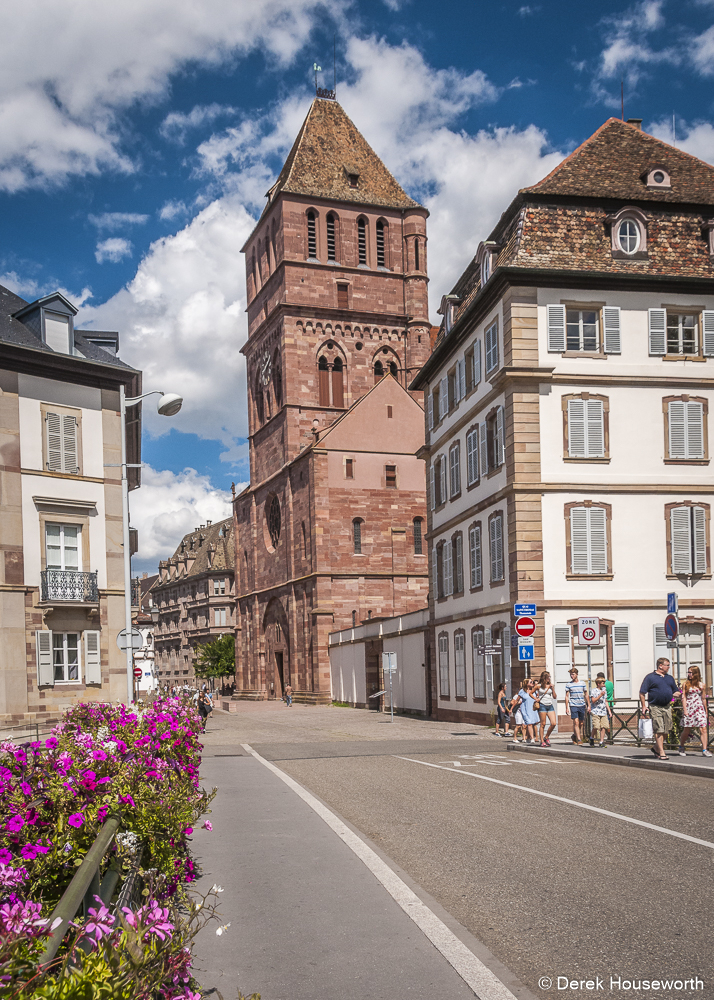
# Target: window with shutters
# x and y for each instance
(582, 331)
(418, 526)
(493, 441)
(444, 688)
(685, 429)
(455, 471)
(447, 568)
(490, 339)
(682, 333)
(460, 664)
(588, 545)
(478, 662)
(357, 535)
(61, 439)
(688, 539)
(495, 545)
(586, 436)
(475, 558)
(331, 223)
(440, 481)
(443, 397)
(311, 235)
(362, 242)
(457, 543)
(66, 657)
(472, 367)
(472, 475)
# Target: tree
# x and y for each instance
(217, 658)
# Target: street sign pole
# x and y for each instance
(391, 698)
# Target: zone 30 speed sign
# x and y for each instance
(588, 631)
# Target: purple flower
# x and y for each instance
(51, 742)
(10, 877)
(188, 831)
(127, 800)
(25, 788)
(208, 825)
(101, 921)
(76, 820)
(99, 755)
(28, 852)
(14, 824)
(5, 856)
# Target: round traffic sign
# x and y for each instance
(589, 634)
(671, 627)
(138, 672)
(525, 627)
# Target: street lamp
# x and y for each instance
(168, 405)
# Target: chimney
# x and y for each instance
(636, 122)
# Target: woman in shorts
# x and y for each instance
(547, 707)
(503, 712)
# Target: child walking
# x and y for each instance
(600, 712)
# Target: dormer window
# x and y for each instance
(628, 234)
(353, 179)
(658, 177)
(486, 256)
(57, 330)
(448, 308)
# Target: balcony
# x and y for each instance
(69, 585)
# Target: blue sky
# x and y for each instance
(137, 142)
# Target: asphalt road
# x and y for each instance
(551, 889)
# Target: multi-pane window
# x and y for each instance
(444, 666)
(219, 616)
(495, 540)
(311, 236)
(475, 561)
(682, 334)
(460, 664)
(418, 536)
(628, 236)
(63, 546)
(331, 241)
(688, 531)
(582, 330)
(588, 541)
(219, 587)
(586, 428)
(362, 241)
(357, 535)
(65, 656)
(459, 564)
(491, 348)
(493, 452)
(391, 476)
(447, 568)
(685, 430)
(454, 470)
(380, 244)
(472, 456)
(479, 665)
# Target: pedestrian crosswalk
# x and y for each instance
(498, 760)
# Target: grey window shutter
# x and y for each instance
(448, 568)
(477, 362)
(708, 333)
(434, 573)
(459, 563)
(676, 414)
(442, 479)
(556, 329)
(475, 555)
(443, 398)
(430, 410)
(462, 382)
(577, 447)
(92, 658)
(472, 456)
(500, 436)
(681, 536)
(43, 648)
(598, 539)
(579, 548)
(621, 661)
(478, 664)
(69, 444)
(488, 663)
(695, 430)
(562, 657)
(611, 323)
(658, 331)
(483, 432)
(432, 494)
(699, 537)
(53, 423)
(595, 427)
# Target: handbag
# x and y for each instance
(536, 705)
(644, 729)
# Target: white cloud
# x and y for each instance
(181, 320)
(172, 209)
(30, 289)
(113, 249)
(697, 139)
(117, 220)
(167, 507)
(628, 50)
(176, 124)
(69, 71)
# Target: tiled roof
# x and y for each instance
(327, 150)
(612, 162)
(196, 548)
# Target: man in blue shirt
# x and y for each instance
(661, 690)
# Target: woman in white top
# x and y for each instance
(547, 708)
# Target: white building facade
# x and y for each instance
(568, 427)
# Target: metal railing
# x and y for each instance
(626, 715)
(27, 732)
(69, 585)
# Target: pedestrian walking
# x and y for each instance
(289, 696)
(527, 711)
(660, 689)
(204, 707)
(609, 689)
(503, 712)
(600, 712)
(576, 692)
(695, 711)
(547, 705)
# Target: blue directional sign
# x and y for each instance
(521, 610)
(672, 604)
(525, 652)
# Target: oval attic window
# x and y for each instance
(658, 177)
(628, 236)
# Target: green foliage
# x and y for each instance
(217, 658)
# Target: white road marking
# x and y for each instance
(569, 802)
(472, 970)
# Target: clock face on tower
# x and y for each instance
(266, 367)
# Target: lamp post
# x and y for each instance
(167, 406)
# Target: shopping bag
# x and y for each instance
(644, 729)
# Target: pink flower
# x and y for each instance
(25, 788)
(28, 852)
(188, 831)
(51, 742)
(101, 921)
(5, 855)
(14, 824)
(127, 800)
(76, 820)
(99, 755)
(208, 825)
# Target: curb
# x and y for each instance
(697, 770)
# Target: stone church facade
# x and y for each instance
(330, 529)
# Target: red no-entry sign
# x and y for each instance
(525, 627)
(138, 672)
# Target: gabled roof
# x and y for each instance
(327, 150)
(366, 426)
(614, 161)
(210, 548)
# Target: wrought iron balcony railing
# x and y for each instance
(69, 585)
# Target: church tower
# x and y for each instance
(337, 300)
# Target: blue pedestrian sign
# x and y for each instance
(672, 604)
(523, 610)
(525, 652)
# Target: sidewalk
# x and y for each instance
(625, 756)
(308, 919)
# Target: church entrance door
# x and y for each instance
(279, 670)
